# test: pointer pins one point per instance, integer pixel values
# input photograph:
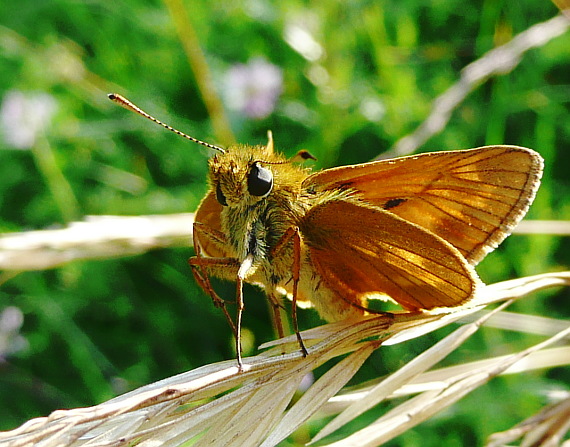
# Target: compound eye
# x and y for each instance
(259, 181)
(220, 196)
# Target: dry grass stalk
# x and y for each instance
(547, 428)
(496, 62)
(103, 237)
(217, 405)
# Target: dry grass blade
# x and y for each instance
(98, 237)
(180, 408)
(249, 422)
(425, 405)
(516, 288)
(218, 405)
(545, 428)
(404, 375)
(437, 378)
(528, 324)
(554, 227)
(547, 358)
(329, 384)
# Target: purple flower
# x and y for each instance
(23, 116)
(253, 88)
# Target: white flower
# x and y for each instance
(253, 88)
(372, 109)
(11, 319)
(303, 42)
(24, 115)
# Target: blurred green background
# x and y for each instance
(344, 80)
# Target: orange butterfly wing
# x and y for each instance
(208, 214)
(360, 250)
(471, 198)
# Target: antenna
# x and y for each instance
(126, 104)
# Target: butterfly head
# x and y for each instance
(243, 174)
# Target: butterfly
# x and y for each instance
(409, 230)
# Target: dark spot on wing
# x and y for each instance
(344, 186)
(393, 203)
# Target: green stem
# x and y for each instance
(197, 60)
(56, 181)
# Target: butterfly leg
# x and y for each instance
(277, 308)
(203, 280)
(199, 262)
(242, 272)
(293, 234)
(223, 267)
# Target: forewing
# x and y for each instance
(472, 199)
(359, 250)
